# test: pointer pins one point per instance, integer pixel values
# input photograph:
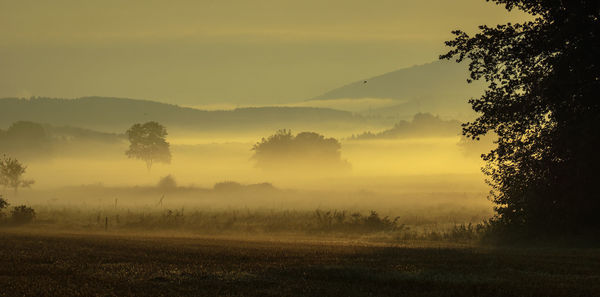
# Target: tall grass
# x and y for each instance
(255, 221)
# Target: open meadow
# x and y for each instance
(35, 263)
(300, 148)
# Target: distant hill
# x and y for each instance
(118, 114)
(68, 133)
(422, 125)
(439, 88)
(29, 140)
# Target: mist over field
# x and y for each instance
(418, 169)
(299, 148)
(377, 166)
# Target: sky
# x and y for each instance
(212, 52)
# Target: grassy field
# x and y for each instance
(77, 264)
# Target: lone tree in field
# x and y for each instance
(306, 150)
(542, 101)
(148, 143)
(11, 174)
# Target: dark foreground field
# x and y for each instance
(118, 265)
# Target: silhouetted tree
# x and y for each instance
(11, 174)
(3, 204)
(22, 214)
(148, 143)
(542, 101)
(306, 149)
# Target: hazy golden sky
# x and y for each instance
(221, 51)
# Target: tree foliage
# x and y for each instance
(303, 151)
(22, 214)
(3, 203)
(148, 143)
(11, 174)
(543, 81)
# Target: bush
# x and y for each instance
(3, 204)
(167, 183)
(228, 186)
(22, 214)
(339, 221)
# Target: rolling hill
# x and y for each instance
(439, 88)
(423, 125)
(118, 114)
